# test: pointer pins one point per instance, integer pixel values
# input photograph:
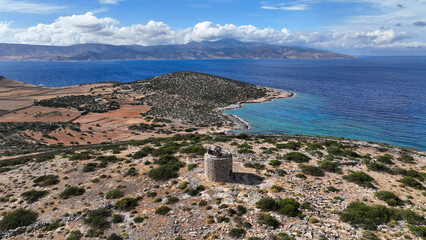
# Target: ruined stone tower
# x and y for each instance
(218, 165)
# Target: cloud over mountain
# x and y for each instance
(88, 28)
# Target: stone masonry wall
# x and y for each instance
(218, 169)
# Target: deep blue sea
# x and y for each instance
(373, 99)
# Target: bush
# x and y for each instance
(75, 235)
(275, 163)
(360, 178)
(406, 158)
(197, 150)
(114, 236)
(172, 199)
(237, 232)
(138, 219)
(71, 191)
(289, 145)
(131, 172)
(46, 180)
(289, 207)
(368, 217)
(117, 218)
(386, 159)
(267, 204)
(97, 219)
(412, 182)
(330, 166)
(301, 176)
(127, 204)
(192, 166)
(297, 157)
(116, 193)
(418, 230)
(378, 167)
(17, 218)
(390, 198)
(162, 210)
(162, 173)
(268, 220)
(33, 195)
(90, 167)
(255, 165)
(312, 170)
(223, 219)
(332, 189)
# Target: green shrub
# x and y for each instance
(368, 217)
(127, 204)
(267, 204)
(330, 166)
(312, 170)
(237, 232)
(289, 145)
(332, 189)
(223, 219)
(90, 167)
(71, 191)
(268, 220)
(386, 159)
(406, 158)
(418, 230)
(162, 210)
(197, 150)
(97, 219)
(378, 167)
(131, 172)
(192, 166)
(301, 176)
(297, 157)
(53, 226)
(275, 163)
(172, 199)
(162, 173)
(360, 178)
(17, 218)
(117, 218)
(46, 180)
(116, 193)
(33, 195)
(81, 156)
(255, 165)
(412, 182)
(75, 235)
(138, 219)
(289, 207)
(114, 236)
(390, 198)
(241, 210)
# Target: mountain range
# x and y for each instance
(222, 49)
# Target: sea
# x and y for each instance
(379, 99)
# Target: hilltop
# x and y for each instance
(222, 49)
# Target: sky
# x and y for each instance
(357, 27)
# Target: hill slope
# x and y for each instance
(223, 49)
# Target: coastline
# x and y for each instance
(240, 123)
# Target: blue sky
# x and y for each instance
(381, 27)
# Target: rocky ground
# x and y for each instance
(201, 209)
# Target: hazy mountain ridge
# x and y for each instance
(223, 49)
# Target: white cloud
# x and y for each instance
(27, 7)
(88, 28)
(110, 1)
(295, 6)
(4, 28)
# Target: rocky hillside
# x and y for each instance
(282, 188)
(223, 49)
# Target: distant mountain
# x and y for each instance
(222, 49)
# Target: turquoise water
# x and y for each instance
(373, 99)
